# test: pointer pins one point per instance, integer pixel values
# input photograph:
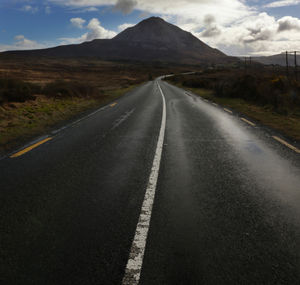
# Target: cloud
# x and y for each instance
(124, 26)
(225, 11)
(48, 10)
(95, 31)
(125, 6)
(30, 9)
(282, 3)
(85, 10)
(256, 35)
(22, 43)
(211, 28)
(288, 23)
(237, 27)
(78, 22)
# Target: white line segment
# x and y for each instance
(286, 144)
(122, 119)
(248, 122)
(227, 110)
(136, 256)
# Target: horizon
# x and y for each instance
(236, 27)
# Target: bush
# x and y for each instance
(12, 90)
(197, 83)
(61, 89)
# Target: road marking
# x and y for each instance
(248, 122)
(113, 104)
(122, 119)
(25, 150)
(227, 110)
(135, 261)
(286, 144)
(215, 104)
(78, 121)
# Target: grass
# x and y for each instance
(286, 124)
(20, 121)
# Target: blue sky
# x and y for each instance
(237, 27)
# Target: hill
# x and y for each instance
(278, 59)
(152, 40)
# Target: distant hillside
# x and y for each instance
(151, 40)
(278, 59)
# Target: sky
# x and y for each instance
(236, 27)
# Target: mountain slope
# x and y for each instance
(151, 40)
(278, 59)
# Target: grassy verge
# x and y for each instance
(286, 124)
(20, 122)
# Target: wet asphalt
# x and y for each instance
(226, 211)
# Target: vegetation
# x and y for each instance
(272, 99)
(14, 90)
(19, 121)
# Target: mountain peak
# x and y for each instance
(153, 20)
(152, 39)
(155, 30)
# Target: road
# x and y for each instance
(208, 197)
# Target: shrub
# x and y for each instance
(61, 89)
(12, 90)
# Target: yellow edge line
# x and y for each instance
(113, 104)
(227, 110)
(248, 122)
(286, 144)
(25, 150)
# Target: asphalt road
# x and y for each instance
(226, 208)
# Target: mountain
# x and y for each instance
(278, 59)
(152, 40)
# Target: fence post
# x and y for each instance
(287, 63)
(296, 67)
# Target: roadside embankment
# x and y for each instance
(273, 101)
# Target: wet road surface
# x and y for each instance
(226, 207)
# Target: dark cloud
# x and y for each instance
(258, 35)
(211, 32)
(209, 20)
(211, 28)
(288, 23)
(125, 6)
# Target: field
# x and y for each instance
(38, 93)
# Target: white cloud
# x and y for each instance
(85, 10)
(288, 23)
(187, 10)
(95, 31)
(78, 22)
(48, 10)
(257, 34)
(30, 9)
(282, 3)
(124, 26)
(22, 43)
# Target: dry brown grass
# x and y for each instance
(90, 70)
